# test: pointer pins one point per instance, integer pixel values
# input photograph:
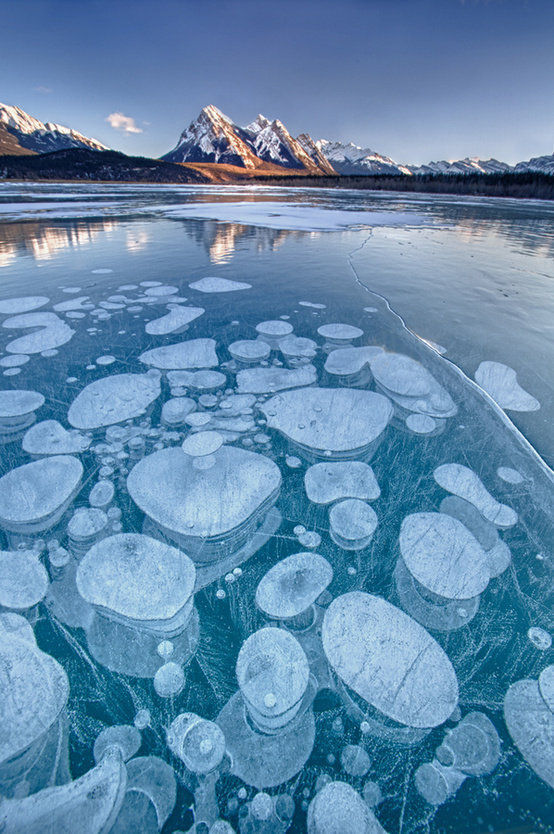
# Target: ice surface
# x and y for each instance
(267, 380)
(211, 284)
(23, 579)
(12, 306)
(113, 399)
(462, 481)
(352, 523)
(530, 723)
(136, 577)
(389, 660)
(293, 585)
(342, 421)
(174, 321)
(500, 382)
(338, 805)
(443, 556)
(195, 353)
(34, 496)
(50, 438)
(328, 482)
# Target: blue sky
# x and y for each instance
(414, 79)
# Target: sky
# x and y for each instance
(417, 80)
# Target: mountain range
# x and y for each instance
(213, 142)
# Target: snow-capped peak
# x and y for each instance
(43, 137)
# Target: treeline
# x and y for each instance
(95, 166)
(529, 185)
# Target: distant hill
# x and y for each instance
(22, 134)
(86, 164)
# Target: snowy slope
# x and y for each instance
(462, 166)
(540, 164)
(34, 135)
(352, 159)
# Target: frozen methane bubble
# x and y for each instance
(293, 585)
(443, 556)
(34, 496)
(106, 359)
(206, 510)
(113, 399)
(50, 438)
(420, 423)
(500, 381)
(161, 290)
(268, 380)
(194, 353)
(174, 321)
(352, 523)
(102, 494)
(155, 780)
(175, 411)
(169, 680)
(89, 804)
(49, 332)
(274, 329)
(23, 579)
(472, 747)
(211, 284)
(35, 689)
(338, 805)
(328, 482)
(530, 723)
(202, 443)
(354, 760)
(389, 660)
(143, 719)
(497, 551)
(200, 744)
(315, 305)
(339, 334)
(249, 350)
(17, 408)
(137, 578)
(11, 306)
(124, 736)
(272, 672)
(546, 686)
(411, 386)
(509, 475)
(349, 361)
(344, 422)
(205, 380)
(465, 483)
(14, 361)
(297, 346)
(540, 638)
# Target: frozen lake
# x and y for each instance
(275, 510)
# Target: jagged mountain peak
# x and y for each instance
(214, 137)
(31, 134)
